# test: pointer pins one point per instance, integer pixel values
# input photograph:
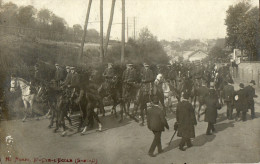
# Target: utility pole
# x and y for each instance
(134, 28)
(109, 26)
(127, 30)
(85, 31)
(123, 33)
(101, 32)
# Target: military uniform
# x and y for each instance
(59, 76)
(228, 95)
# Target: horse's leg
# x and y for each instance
(32, 111)
(199, 111)
(25, 110)
(97, 119)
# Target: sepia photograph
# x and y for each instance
(129, 81)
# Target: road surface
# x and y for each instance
(128, 143)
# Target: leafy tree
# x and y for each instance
(44, 16)
(8, 14)
(58, 24)
(217, 53)
(242, 28)
(26, 16)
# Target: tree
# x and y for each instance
(58, 24)
(217, 53)
(242, 30)
(8, 14)
(44, 16)
(26, 16)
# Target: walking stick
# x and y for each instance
(172, 137)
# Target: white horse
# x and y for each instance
(27, 97)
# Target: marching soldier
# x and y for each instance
(212, 105)
(59, 75)
(241, 102)
(250, 97)
(228, 95)
(185, 116)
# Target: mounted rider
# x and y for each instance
(129, 80)
(59, 75)
(108, 74)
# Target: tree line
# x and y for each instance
(43, 20)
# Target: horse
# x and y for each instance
(114, 90)
(27, 96)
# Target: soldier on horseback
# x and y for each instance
(129, 88)
(145, 92)
(59, 75)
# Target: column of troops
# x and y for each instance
(207, 83)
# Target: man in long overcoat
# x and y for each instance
(250, 90)
(211, 112)
(241, 102)
(185, 115)
(228, 95)
(156, 123)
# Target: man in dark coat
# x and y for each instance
(185, 115)
(212, 105)
(250, 90)
(241, 102)
(202, 93)
(156, 123)
(228, 95)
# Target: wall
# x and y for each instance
(248, 71)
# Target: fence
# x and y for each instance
(246, 72)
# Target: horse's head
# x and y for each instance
(14, 84)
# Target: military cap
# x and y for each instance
(130, 64)
(146, 65)
(185, 95)
(67, 67)
(252, 82)
(241, 85)
(109, 63)
(72, 68)
(56, 64)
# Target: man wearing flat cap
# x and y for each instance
(241, 102)
(250, 90)
(129, 79)
(228, 95)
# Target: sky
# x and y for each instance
(166, 19)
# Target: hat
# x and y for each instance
(155, 100)
(109, 63)
(185, 95)
(67, 67)
(72, 68)
(130, 64)
(56, 64)
(252, 81)
(146, 65)
(241, 85)
(230, 81)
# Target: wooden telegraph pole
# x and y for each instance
(109, 26)
(123, 33)
(85, 31)
(101, 32)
